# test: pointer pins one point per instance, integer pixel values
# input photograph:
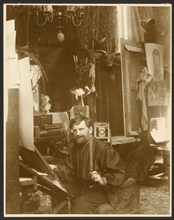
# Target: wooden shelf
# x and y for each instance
(115, 140)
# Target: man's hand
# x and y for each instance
(97, 178)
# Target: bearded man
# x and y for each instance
(93, 168)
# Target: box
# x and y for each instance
(78, 110)
(42, 119)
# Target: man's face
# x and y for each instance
(81, 133)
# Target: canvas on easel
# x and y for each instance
(39, 167)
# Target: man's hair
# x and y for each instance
(78, 120)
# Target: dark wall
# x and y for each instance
(59, 67)
(109, 100)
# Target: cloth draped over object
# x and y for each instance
(133, 17)
(142, 81)
(137, 157)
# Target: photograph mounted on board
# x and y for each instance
(87, 107)
(154, 56)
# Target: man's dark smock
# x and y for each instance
(106, 161)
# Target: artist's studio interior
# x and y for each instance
(107, 63)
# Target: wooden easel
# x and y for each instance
(33, 164)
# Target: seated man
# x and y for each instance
(93, 167)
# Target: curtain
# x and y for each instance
(134, 15)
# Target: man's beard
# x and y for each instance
(79, 140)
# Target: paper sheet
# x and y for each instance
(12, 72)
(25, 105)
(9, 26)
(158, 129)
(11, 75)
(10, 45)
(39, 173)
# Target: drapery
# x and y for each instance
(132, 17)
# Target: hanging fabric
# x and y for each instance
(143, 80)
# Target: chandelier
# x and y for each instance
(50, 16)
(63, 15)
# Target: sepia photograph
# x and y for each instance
(87, 110)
